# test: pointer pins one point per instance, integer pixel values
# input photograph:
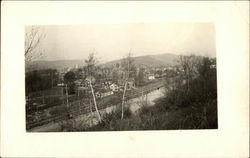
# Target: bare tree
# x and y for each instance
(90, 64)
(188, 66)
(33, 37)
(126, 64)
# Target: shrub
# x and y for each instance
(112, 121)
(188, 106)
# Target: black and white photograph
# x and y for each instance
(124, 79)
(114, 77)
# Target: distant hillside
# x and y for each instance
(56, 64)
(149, 60)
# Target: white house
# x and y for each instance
(104, 93)
(151, 77)
(113, 87)
(60, 84)
(107, 93)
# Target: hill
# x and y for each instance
(148, 60)
(55, 64)
(151, 60)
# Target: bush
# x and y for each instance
(112, 121)
(199, 90)
(188, 106)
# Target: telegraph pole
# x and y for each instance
(142, 97)
(93, 94)
(62, 95)
(67, 100)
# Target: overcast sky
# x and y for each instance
(113, 41)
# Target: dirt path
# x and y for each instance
(146, 100)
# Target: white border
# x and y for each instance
(232, 28)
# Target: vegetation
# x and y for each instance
(33, 37)
(69, 79)
(91, 66)
(127, 66)
(38, 80)
(190, 101)
(111, 121)
(139, 79)
(187, 105)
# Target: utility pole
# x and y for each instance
(77, 92)
(93, 94)
(125, 87)
(142, 97)
(123, 98)
(67, 100)
(90, 105)
(62, 95)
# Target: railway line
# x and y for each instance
(80, 107)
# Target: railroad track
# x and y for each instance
(79, 108)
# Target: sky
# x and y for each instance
(114, 41)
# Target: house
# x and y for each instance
(90, 78)
(213, 66)
(68, 69)
(98, 95)
(107, 93)
(121, 88)
(104, 93)
(60, 84)
(151, 77)
(157, 75)
(113, 87)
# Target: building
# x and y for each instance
(151, 77)
(60, 84)
(104, 93)
(113, 87)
